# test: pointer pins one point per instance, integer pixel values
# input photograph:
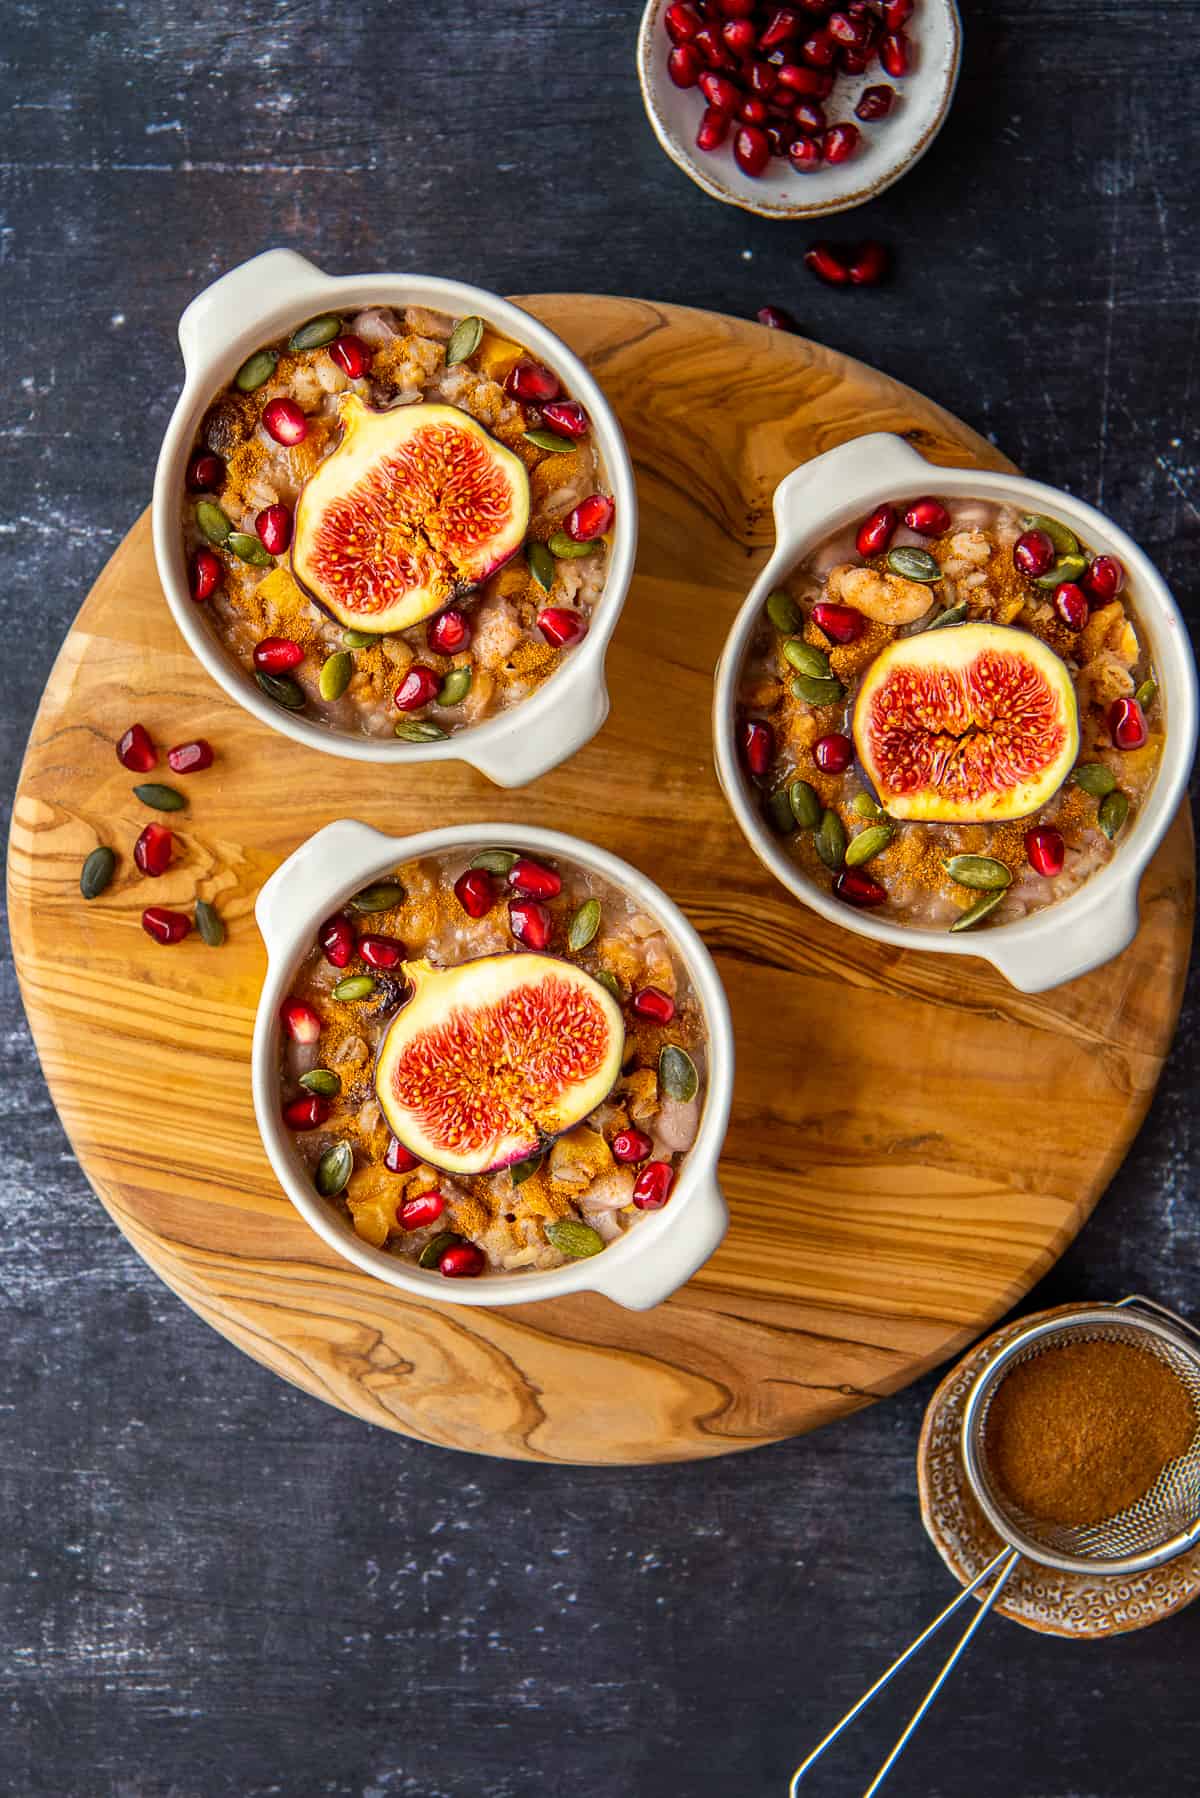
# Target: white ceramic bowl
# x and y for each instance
(888, 149)
(268, 297)
(1100, 919)
(665, 1247)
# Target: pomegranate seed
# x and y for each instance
(840, 142)
(351, 355)
(875, 102)
(739, 37)
(781, 138)
(856, 887)
(825, 261)
(783, 24)
(567, 417)
(591, 518)
(300, 1021)
(1046, 851)
(418, 687)
(165, 926)
(462, 1261)
(842, 623)
(757, 742)
(450, 632)
(819, 50)
(153, 850)
(853, 62)
(804, 154)
(274, 527)
(893, 54)
(206, 574)
(869, 262)
(776, 318)
(1127, 724)
(475, 892)
(708, 41)
(751, 151)
(876, 532)
(928, 516)
(631, 1145)
(190, 758)
(720, 92)
(684, 65)
(532, 381)
(652, 1187)
(752, 111)
(424, 1209)
(308, 1113)
(651, 1003)
(1103, 579)
(336, 940)
(819, 9)
(1033, 553)
(897, 13)
(850, 33)
(814, 84)
(275, 655)
(381, 951)
(529, 922)
(809, 117)
(532, 880)
(682, 22)
(284, 421)
(763, 79)
(1070, 602)
(833, 754)
(398, 1159)
(560, 626)
(136, 752)
(205, 473)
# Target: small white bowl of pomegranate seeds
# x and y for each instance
(797, 109)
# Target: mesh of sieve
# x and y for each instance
(1166, 1520)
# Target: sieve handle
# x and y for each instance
(1001, 1565)
(1139, 1298)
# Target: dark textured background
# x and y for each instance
(210, 1584)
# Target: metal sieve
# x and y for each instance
(1164, 1522)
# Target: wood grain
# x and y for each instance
(887, 1205)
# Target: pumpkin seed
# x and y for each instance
(549, 440)
(805, 803)
(1096, 778)
(952, 615)
(584, 925)
(316, 332)
(335, 674)
(783, 612)
(282, 689)
(496, 861)
(830, 840)
(1064, 540)
(247, 548)
(1147, 693)
(436, 1247)
(212, 521)
(323, 1081)
(780, 816)
(521, 1170)
(419, 730)
(455, 687)
(334, 1169)
(541, 565)
(572, 1238)
(817, 692)
(867, 844)
(1113, 812)
(914, 565)
(807, 660)
(255, 370)
(383, 896)
(677, 1074)
(982, 872)
(97, 872)
(210, 924)
(359, 639)
(982, 906)
(1067, 568)
(611, 984)
(465, 339)
(162, 799)
(863, 806)
(567, 548)
(355, 986)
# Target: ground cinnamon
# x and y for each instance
(1080, 1432)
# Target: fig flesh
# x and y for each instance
(490, 1058)
(415, 506)
(973, 725)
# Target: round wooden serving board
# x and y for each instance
(913, 1142)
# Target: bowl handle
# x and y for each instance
(649, 1278)
(303, 886)
(803, 499)
(1052, 960)
(223, 310)
(527, 751)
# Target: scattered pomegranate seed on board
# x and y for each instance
(190, 758)
(153, 850)
(776, 318)
(136, 751)
(165, 926)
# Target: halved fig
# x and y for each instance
(972, 725)
(490, 1058)
(415, 506)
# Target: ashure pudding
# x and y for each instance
(492, 1064)
(951, 713)
(397, 521)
